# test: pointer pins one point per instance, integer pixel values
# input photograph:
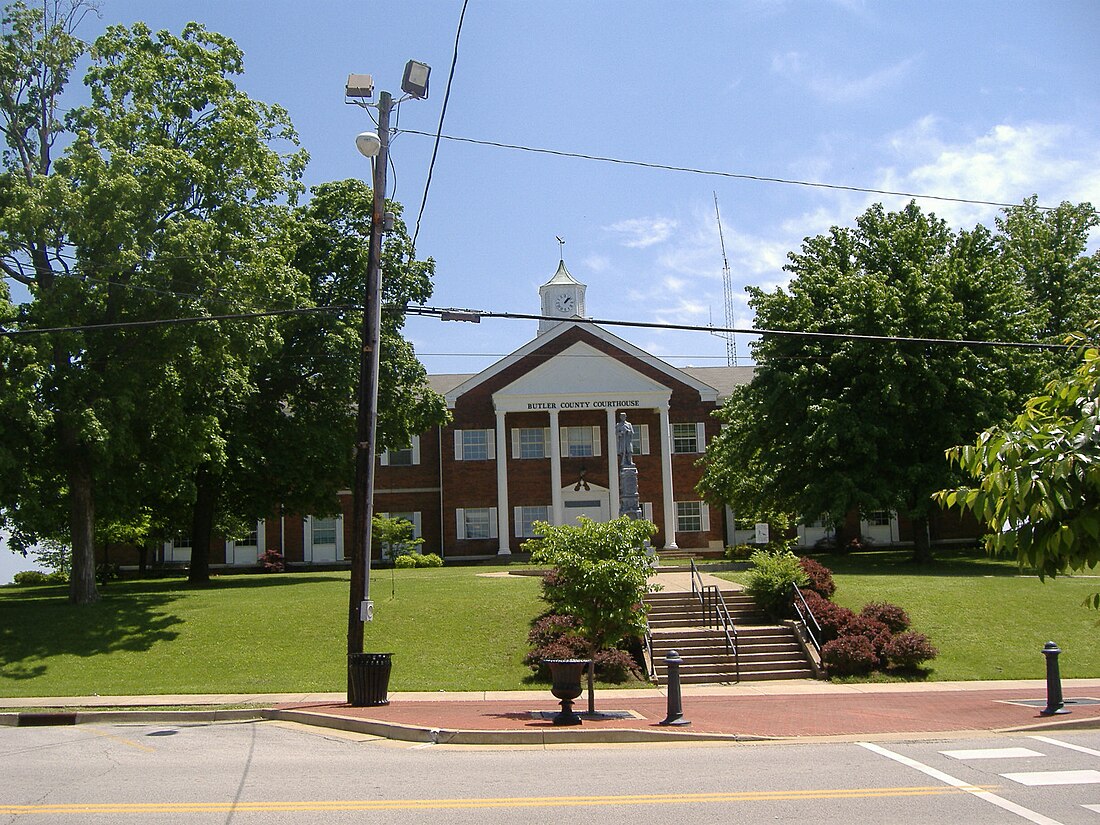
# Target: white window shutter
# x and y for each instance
(704, 521)
(517, 516)
(416, 449)
(596, 441)
(563, 438)
(460, 523)
(384, 459)
(700, 436)
(647, 510)
(515, 442)
(417, 526)
(546, 442)
(492, 522)
(643, 435)
(491, 444)
(458, 445)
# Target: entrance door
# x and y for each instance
(324, 539)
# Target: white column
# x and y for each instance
(502, 485)
(666, 481)
(612, 465)
(555, 468)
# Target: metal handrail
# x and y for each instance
(716, 614)
(804, 613)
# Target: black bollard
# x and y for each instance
(675, 704)
(1054, 682)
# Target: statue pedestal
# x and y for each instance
(628, 492)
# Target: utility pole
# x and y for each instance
(360, 607)
(377, 147)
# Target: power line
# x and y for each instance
(717, 173)
(453, 313)
(439, 129)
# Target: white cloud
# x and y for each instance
(835, 88)
(597, 263)
(639, 233)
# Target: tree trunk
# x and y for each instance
(922, 544)
(82, 589)
(202, 525)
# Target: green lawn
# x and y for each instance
(448, 629)
(988, 620)
(452, 629)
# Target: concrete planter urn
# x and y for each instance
(565, 675)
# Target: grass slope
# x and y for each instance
(448, 629)
(987, 620)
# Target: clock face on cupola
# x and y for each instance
(562, 298)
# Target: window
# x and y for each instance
(324, 530)
(531, 442)
(526, 518)
(580, 442)
(641, 439)
(692, 517)
(249, 539)
(878, 518)
(688, 438)
(474, 445)
(476, 522)
(403, 457)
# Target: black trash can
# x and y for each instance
(369, 679)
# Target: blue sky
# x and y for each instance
(984, 100)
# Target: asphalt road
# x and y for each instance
(282, 773)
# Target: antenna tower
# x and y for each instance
(727, 295)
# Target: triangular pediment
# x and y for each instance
(581, 377)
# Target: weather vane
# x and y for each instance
(561, 247)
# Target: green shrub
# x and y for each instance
(408, 561)
(31, 578)
(429, 560)
(770, 580)
(740, 552)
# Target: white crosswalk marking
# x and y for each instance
(992, 753)
(1035, 778)
(1093, 808)
(1070, 745)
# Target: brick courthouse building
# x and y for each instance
(533, 439)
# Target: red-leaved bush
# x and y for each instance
(831, 617)
(849, 656)
(821, 578)
(890, 615)
(907, 650)
(872, 630)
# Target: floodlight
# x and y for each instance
(415, 81)
(359, 85)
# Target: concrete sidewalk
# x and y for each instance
(751, 711)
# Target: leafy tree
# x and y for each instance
(1037, 480)
(829, 424)
(169, 201)
(395, 536)
(602, 575)
(1046, 252)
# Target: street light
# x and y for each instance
(374, 145)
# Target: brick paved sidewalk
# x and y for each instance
(748, 716)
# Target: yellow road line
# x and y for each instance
(503, 802)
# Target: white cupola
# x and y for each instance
(562, 298)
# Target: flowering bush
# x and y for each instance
(820, 577)
(890, 615)
(849, 656)
(272, 561)
(907, 650)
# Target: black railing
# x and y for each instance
(716, 614)
(806, 616)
